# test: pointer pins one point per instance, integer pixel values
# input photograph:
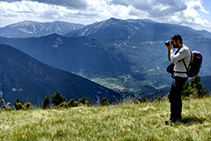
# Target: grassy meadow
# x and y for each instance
(122, 122)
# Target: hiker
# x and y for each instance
(179, 75)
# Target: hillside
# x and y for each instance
(206, 80)
(25, 78)
(118, 122)
(79, 55)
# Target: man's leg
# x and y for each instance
(175, 98)
(181, 82)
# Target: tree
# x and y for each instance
(27, 106)
(72, 103)
(6, 105)
(198, 86)
(64, 104)
(57, 98)
(104, 101)
(2, 101)
(84, 101)
(46, 102)
(137, 102)
(159, 99)
(143, 100)
(195, 88)
(18, 104)
(187, 90)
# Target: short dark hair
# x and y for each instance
(177, 37)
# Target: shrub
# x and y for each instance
(2, 101)
(137, 102)
(6, 106)
(46, 102)
(195, 89)
(20, 105)
(62, 105)
(27, 106)
(73, 103)
(57, 98)
(164, 98)
(104, 101)
(84, 101)
(159, 99)
(143, 100)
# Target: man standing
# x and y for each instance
(179, 76)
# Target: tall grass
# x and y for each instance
(142, 122)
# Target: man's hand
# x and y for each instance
(169, 46)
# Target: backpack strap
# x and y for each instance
(187, 68)
(185, 65)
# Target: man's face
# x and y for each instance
(174, 43)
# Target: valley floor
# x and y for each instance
(117, 122)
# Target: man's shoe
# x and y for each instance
(179, 119)
(170, 121)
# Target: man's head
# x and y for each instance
(176, 41)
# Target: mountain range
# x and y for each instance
(26, 29)
(117, 30)
(130, 52)
(25, 78)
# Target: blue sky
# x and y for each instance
(193, 13)
(207, 5)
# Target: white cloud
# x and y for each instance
(154, 8)
(192, 17)
(75, 4)
(197, 5)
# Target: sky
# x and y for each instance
(193, 13)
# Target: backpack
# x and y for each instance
(195, 64)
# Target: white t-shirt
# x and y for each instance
(185, 54)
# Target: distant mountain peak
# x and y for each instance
(113, 19)
(22, 23)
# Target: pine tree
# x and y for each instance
(57, 98)
(72, 103)
(104, 101)
(84, 101)
(198, 86)
(46, 102)
(2, 101)
(187, 90)
(143, 100)
(195, 88)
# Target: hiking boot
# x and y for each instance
(179, 119)
(170, 121)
